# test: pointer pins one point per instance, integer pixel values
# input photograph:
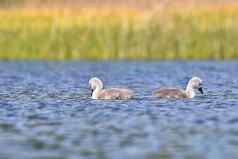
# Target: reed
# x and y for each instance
(119, 34)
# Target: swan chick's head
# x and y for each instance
(195, 83)
(95, 83)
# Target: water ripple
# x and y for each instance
(46, 111)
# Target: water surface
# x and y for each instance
(46, 111)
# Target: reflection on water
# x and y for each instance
(46, 112)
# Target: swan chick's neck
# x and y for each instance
(96, 86)
(190, 92)
(96, 92)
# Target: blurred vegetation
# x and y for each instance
(203, 33)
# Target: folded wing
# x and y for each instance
(116, 93)
(170, 93)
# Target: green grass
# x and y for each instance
(181, 35)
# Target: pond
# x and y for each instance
(46, 111)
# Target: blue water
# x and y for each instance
(46, 111)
